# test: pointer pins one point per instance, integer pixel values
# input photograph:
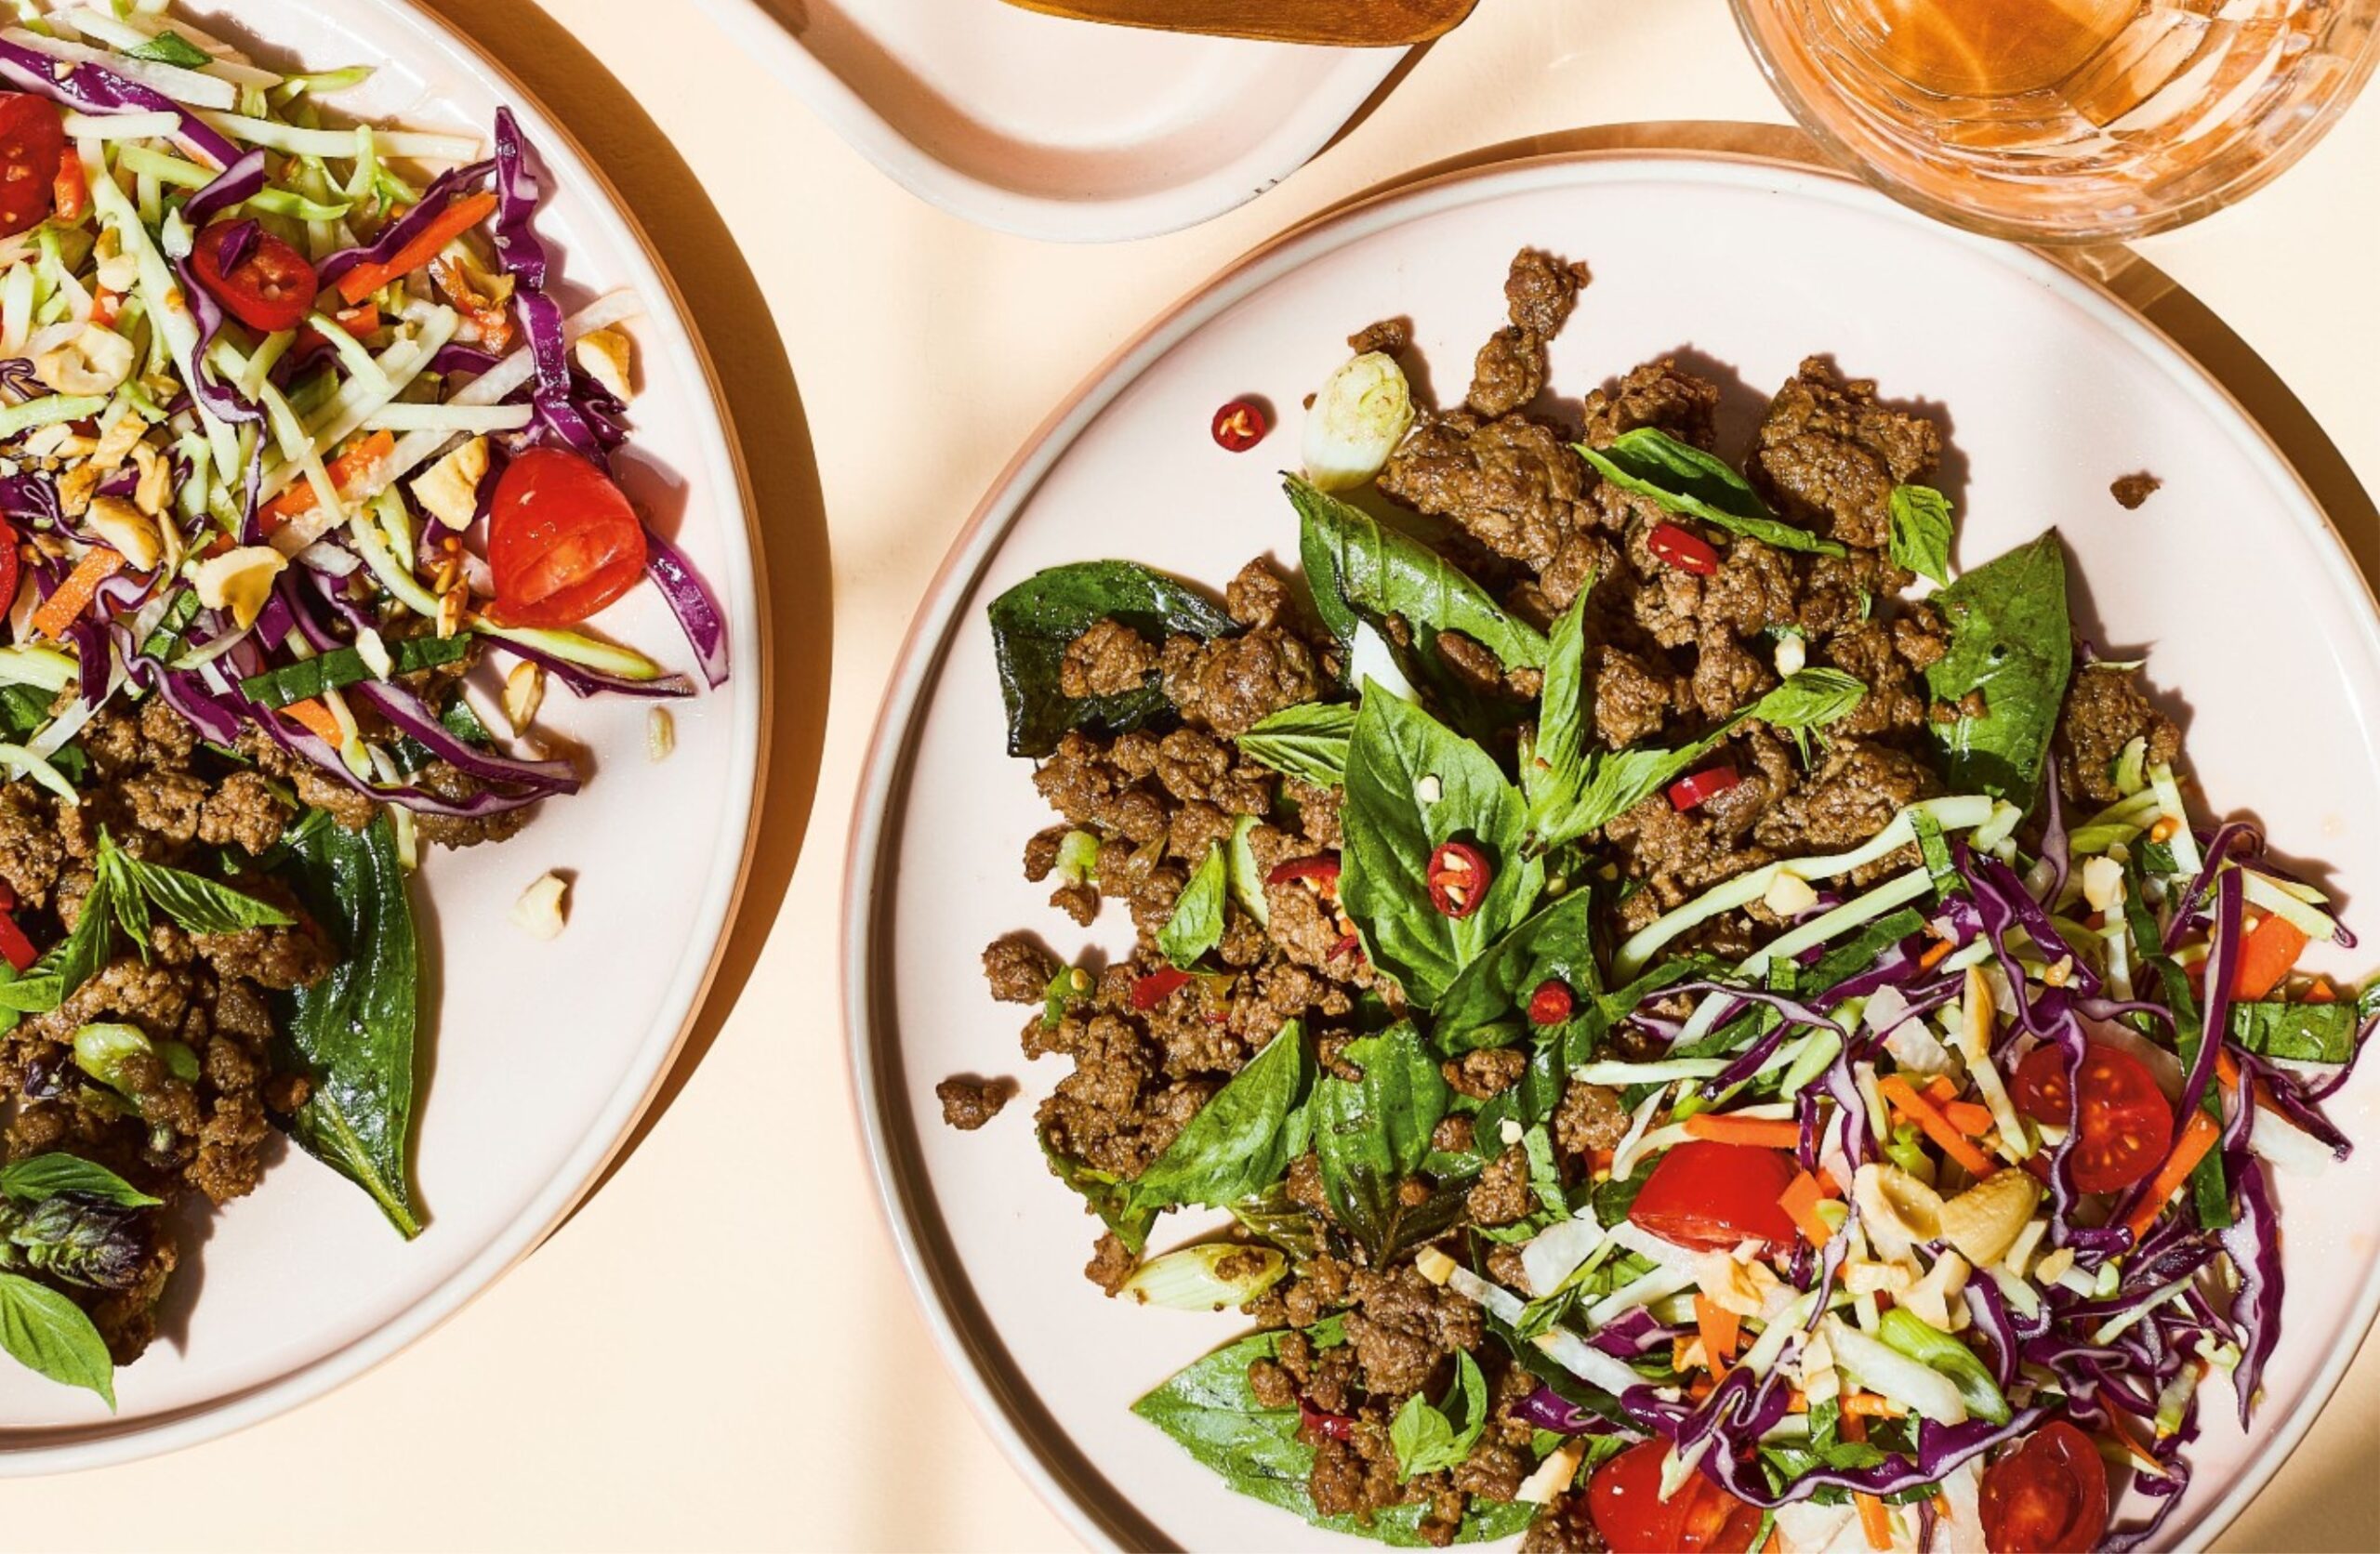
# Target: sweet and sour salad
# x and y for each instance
(1698, 1048)
(295, 433)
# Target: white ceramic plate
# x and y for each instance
(2048, 390)
(540, 1056)
(1056, 128)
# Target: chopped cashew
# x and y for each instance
(539, 910)
(449, 489)
(239, 580)
(95, 361)
(605, 355)
(130, 531)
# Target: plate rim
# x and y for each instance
(1169, 208)
(109, 1443)
(866, 912)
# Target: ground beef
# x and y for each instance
(461, 831)
(1590, 1118)
(1510, 371)
(1229, 685)
(2104, 712)
(1110, 1264)
(1107, 660)
(1830, 454)
(1565, 1527)
(1489, 1071)
(1388, 336)
(968, 1103)
(2131, 491)
(1403, 1326)
(1018, 970)
(1633, 699)
(1656, 394)
(1502, 1194)
(1855, 792)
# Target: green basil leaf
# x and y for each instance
(1553, 765)
(1556, 945)
(49, 1335)
(198, 905)
(1372, 1133)
(1033, 624)
(353, 1033)
(1683, 478)
(1921, 531)
(78, 957)
(1239, 1142)
(46, 1176)
(2301, 1033)
(1809, 699)
(1307, 741)
(1196, 924)
(1412, 785)
(1425, 1440)
(2011, 639)
(345, 666)
(1109, 1196)
(1354, 563)
(170, 47)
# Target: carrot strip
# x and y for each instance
(1776, 1542)
(2198, 1135)
(1799, 1201)
(2123, 1425)
(1874, 1519)
(1938, 1127)
(1935, 955)
(2266, 956)
(1971, 1118)
(1775, 1133)
(317, 720)
(69, 599)
(1870, 1405)
(1720, 1329)
(1940, 1092)
(452, 222)
(346, 471)
(71, 192)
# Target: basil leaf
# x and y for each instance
(46, 1176)
(1921, 531)
(1555, 765)
(1196, 924)
(1352, 563)
(49, 1335)
(1212, 1412)
(1239, 1142)
(1412, 785)
(171, 49)
(82, 954)
(1033, 624)
(2302, 1032)
(1372, 1133)
(1556, 945)
(1107, 1196)
(2011, 639)
(1683, 478)
(198, 905)
(1424, 1440)
(1809, 699)
(1307, 741)
(351, 1034)
(345, 666)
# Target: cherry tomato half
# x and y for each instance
(1709, 1196)
(269, 287)
(11, 565)
(1707, 783)
(1458, 878)
(32, 143)
(1624, 1498)
(561, 540)
(2047, 1496)
(2126, 1125)
(1682, 548)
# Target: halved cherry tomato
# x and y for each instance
(1709, 1196)
(1550, 1004)
(2047, 1496)
(1458, 877)
(260, 280)
(561, 540)
(33, 144)
(1624, 1499)
(1709, 783)
(11, 567)
(2126, 1126)
(1682, 548)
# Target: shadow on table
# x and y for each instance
(790, 529)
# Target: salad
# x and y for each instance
(306, 495)
(1698, 1042)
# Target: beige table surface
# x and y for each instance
(718, 1353)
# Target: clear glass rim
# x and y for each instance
(2251, 175)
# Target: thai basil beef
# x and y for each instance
(1670, 654)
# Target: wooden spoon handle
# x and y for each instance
(1344, 24)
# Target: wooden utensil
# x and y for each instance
(1344, 24)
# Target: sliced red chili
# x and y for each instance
(1707, 783)
(1240, 425)
(1682, 548)
(1350, 942)
(1458, 877)
(1313, 1421)
(18, 950)
(1322, 866)
(1550, 1004)
(1158, 986)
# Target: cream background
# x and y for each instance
(718, 1353)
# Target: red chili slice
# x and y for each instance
(1157, 986)
(1350, 942)
(14, 944)
(266, 283)
(1682, 548)
(1240, 425)
(1313, 1421)
(1550, 1004)
(1707, 783)
(1458, 877)
(1322, 866)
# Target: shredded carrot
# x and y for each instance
(1799, 1201)
(451, 223)
(1969, 1117)
(1762, 1132)
(1942, 1506)
(1776, 1542)
(71, 191)
(2198, 1135)
(347, 472)
(1938, 1127)
(2266, 956)
(1870, 1405)
(1935, 955)
(69, 599)
(1874, 1519)
(2322, 992)
(317, 720)
(1940, 1092)
(1720, 1329)
(2122, 1426)
(105, 306)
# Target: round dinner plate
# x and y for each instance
(537, 1058)
(2259, 632)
